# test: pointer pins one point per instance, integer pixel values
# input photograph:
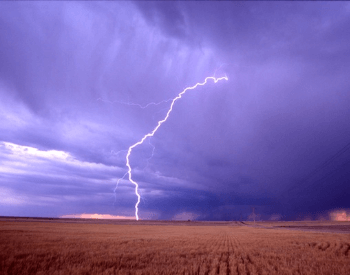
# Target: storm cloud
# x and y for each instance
(76, 79)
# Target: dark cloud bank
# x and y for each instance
(275, 136)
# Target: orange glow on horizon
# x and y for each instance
(98, 216)
(340, 215)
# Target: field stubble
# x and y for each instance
(68, 248)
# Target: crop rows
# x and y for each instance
(39, 248)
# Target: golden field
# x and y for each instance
(62, 247)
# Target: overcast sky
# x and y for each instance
(76, 78)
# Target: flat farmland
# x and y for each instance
(109, 247)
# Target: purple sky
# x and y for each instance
(265, 138)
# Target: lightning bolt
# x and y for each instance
(135, 104)
(151, 134)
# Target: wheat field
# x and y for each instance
(72, 248)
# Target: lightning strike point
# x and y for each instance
(160, 122)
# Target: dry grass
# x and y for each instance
(69, 248)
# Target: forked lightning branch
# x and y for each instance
(151, 134)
